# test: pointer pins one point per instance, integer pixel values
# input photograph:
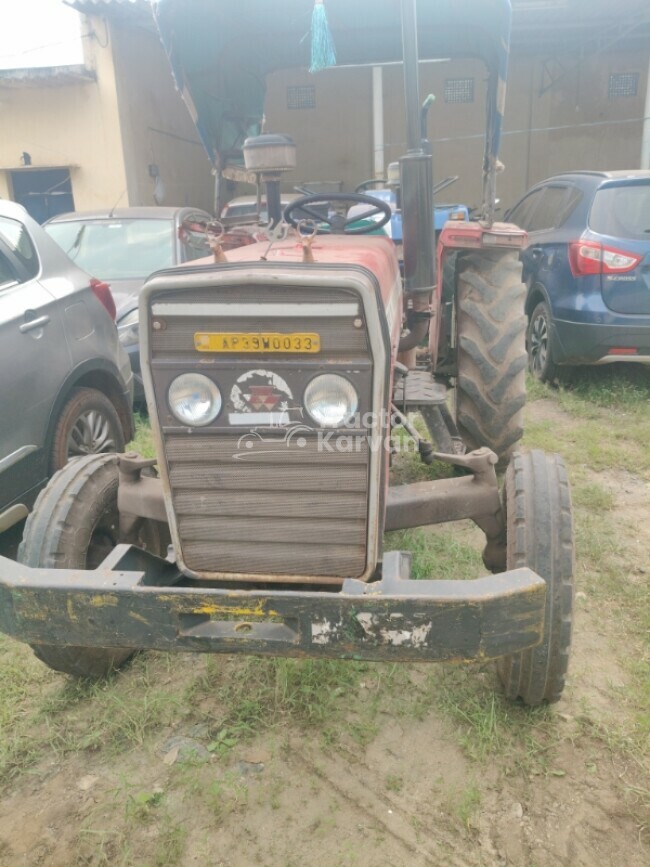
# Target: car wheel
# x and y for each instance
(539, 344)
(88, 424)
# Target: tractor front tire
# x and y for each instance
(75, 525)
(539, 529)
(491, 350)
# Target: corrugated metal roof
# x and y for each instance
(46, 76)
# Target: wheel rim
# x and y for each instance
(539, 344)
(91, 434)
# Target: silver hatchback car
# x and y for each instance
(66, 386)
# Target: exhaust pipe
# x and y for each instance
(416, 171)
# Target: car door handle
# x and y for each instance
(33, 324)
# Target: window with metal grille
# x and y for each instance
(301, 96)
(623, 84)
(459, 90)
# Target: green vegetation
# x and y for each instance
(439, 553)
(606, 432)
(465, 804)
(143, 440)
(601, 424)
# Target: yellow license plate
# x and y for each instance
(256, 342)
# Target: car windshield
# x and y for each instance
(622, 211)
(241, 210)
(116, 249)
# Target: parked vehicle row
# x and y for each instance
(66, 385)
(123, 247)
(587, 269)
(65, 379)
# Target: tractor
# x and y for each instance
(275, 373)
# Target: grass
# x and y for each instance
(437, 554)
(465, 803)
(607, 424)
(603, 425)
(607, 429)
(261, 694)
(623, 387)
(142, 442)
(57, 716)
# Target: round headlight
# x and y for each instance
(331, 400)
(194, 399)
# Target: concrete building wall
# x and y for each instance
(74, 125)
(574, 124)
(463, 123)
(334, 139)
(111, 131)
(157, 129)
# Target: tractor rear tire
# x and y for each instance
(539, 526)
(75, 525)
(491, 351)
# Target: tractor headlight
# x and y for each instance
(331, 400)
(194, 399)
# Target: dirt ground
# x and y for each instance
(441, 773)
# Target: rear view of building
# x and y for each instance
(111, 131)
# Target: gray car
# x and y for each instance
(124, 246)
(66, 386)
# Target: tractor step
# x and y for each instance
(418, 388)
(418, 391)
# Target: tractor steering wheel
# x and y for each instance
(338, 223)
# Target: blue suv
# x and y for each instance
(587, 268)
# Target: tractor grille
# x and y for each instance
(264, 502)
(339, 338)
(284, 508)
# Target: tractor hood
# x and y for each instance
(221, 52)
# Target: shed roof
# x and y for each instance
(115, 8)
(46, 76)
(85, 5)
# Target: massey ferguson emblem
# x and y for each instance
(260, 397)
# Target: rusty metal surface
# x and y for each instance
(264, 523)
(473, 497)
(125, 603)
(224, 504)
(438, 502)
(275, 473)
(418, 389)
(143, 497)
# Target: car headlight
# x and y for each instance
(128, 329)
(194, 399)
(331, 400)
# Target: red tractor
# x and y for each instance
(274, 375)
